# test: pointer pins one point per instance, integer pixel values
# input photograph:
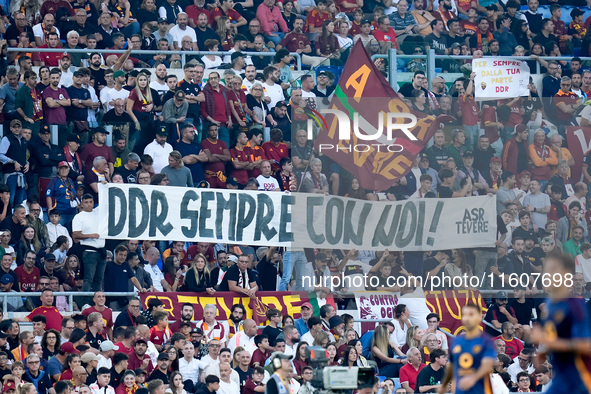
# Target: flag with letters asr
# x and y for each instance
(363, 90)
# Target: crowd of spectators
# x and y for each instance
(238, 122)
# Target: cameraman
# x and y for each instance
(278, 383)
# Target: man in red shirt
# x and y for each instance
(567, 102)
(256, 153)
(99, 300)
(240, 159)
(218, 155)
(410, 371)
(51, 59)
(216, 109)
(28, 275)
(513, 346)
(385, 33)
(127, 343)
(138, 357)
(54, 318)
(275, 149)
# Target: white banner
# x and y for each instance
(499, 77)
(296, 220)
(194, 215)
(412, 225)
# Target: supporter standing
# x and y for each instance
(13, 155)
(85, 231)
(218, 154)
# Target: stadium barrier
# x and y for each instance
(69, 294)
(183, 54)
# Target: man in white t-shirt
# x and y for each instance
(273, 90)
(158, 281)
(265, 180)
(159, 84)
(181, 30)
(189, 366)
(307, 94)
(109, 95)
(250, 73)
(583, 262)
(85, 229)
(227, 386)
(47, 26)
(159, 150)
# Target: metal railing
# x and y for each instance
(69, 294)
(183, 54)
(431, 57)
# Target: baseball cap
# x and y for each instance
(491, 7)
(162, 20)
(134, 73)
(68, 347)
(139, 371)
(468, 153)
(79, 73)
(162, 131)
(9, 385)
(74, 138)
(88, 357)
(280, 355)
(197, 330)
(49, 256)
(6, 279)
(576, 12)
(307, 305)
(524, 173)
(501, 295)
(99, 130)
(363, 22)
(495, 159)
(108, 345)
(163, 356)
(423, 156)
(281, 104)
(118, 73)
(79, 184)
(3, 335)
(15, 121)
(236, 55)
(140, 340)
(202, 185)
(519, 128)
(320, 256)
(63, 164)
(44, 129)
(233, 258)
(321, 73)
(232, 181)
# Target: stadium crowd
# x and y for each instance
(238, 122)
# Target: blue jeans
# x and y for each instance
(17, 193)
(276, 38)
(131, 29)
(94, 270)
(298, 261)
